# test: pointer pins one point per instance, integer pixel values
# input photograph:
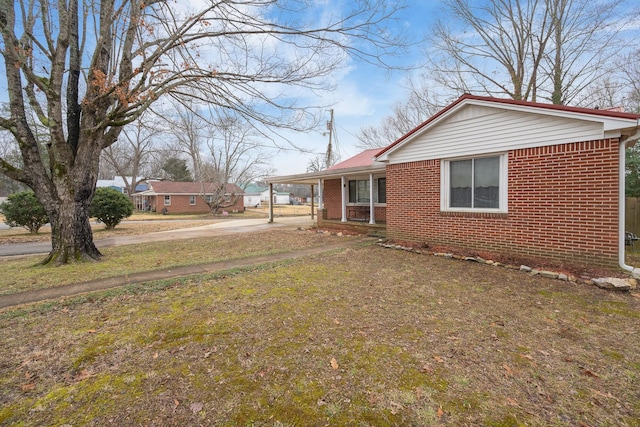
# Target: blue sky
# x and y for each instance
(363, 96)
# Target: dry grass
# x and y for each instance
(21, 274)
(365, 336)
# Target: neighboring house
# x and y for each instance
(252, 195)
(512, 178)
(118, 183)
(277, 197)
(187, 197)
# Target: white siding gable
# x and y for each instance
(477, 129)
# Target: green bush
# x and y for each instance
(110, 207)
(24, 210)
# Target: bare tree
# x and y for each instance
(131, 154)
(235, 156)
(421, 104)
(86, 69)
(188, 130)
(526, 49)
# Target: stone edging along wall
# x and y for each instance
(614, 283)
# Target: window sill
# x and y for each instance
(475, 214)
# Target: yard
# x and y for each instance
(363, 336)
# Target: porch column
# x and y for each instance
(372, 209)
(270, 202)
(312, 203)
(344, 199)
(320, 201)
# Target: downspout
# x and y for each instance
(635, 272)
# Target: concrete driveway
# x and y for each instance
(224, 228)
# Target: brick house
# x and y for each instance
(187, 197)
(489, 175)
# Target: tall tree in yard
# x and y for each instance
(536, 50)
(85, 69)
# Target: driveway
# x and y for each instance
(218, 229)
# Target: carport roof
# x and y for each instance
(362, 163)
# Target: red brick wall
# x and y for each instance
(332, 198)
(562, 206)
(180, 205)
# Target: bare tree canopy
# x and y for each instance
(527, 49)
(559, 51)
(421, 104)
(85, 69)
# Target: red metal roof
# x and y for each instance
(603, 113)
(359, 160)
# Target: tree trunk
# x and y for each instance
(71, 234)
(67, 197)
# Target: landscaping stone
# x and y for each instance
(525, 268)
(615, 283)
(549, 274)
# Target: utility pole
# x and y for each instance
(330, 129)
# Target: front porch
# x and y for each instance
(355, 225)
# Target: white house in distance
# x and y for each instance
(253, 195)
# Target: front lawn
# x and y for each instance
(365, 336)
(21, 274)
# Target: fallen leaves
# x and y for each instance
(508, 371)
(334, 364)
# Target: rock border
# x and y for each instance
(611, 283)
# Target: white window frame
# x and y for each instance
(167, 200)
(375, 191)
(445, 190)
(192, 200)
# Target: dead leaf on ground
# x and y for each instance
(438, 359)
(28, 387)
(334, 363)
(83, 375)
(440, 412)
(508, 371)
(590, 373)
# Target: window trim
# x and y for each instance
(167, 200)
(445, 190)
(376, 194)
(192, 200)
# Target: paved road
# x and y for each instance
(224, 228)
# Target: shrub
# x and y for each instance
(24, 210)
(110, 207)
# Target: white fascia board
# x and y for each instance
(612, 126)
(609, 123)
(312, 178)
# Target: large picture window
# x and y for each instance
(474, 184)
(359, 191)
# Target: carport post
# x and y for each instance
(344, 199)
(312, 202)
(270, 202)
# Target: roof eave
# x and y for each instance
(313, 177)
